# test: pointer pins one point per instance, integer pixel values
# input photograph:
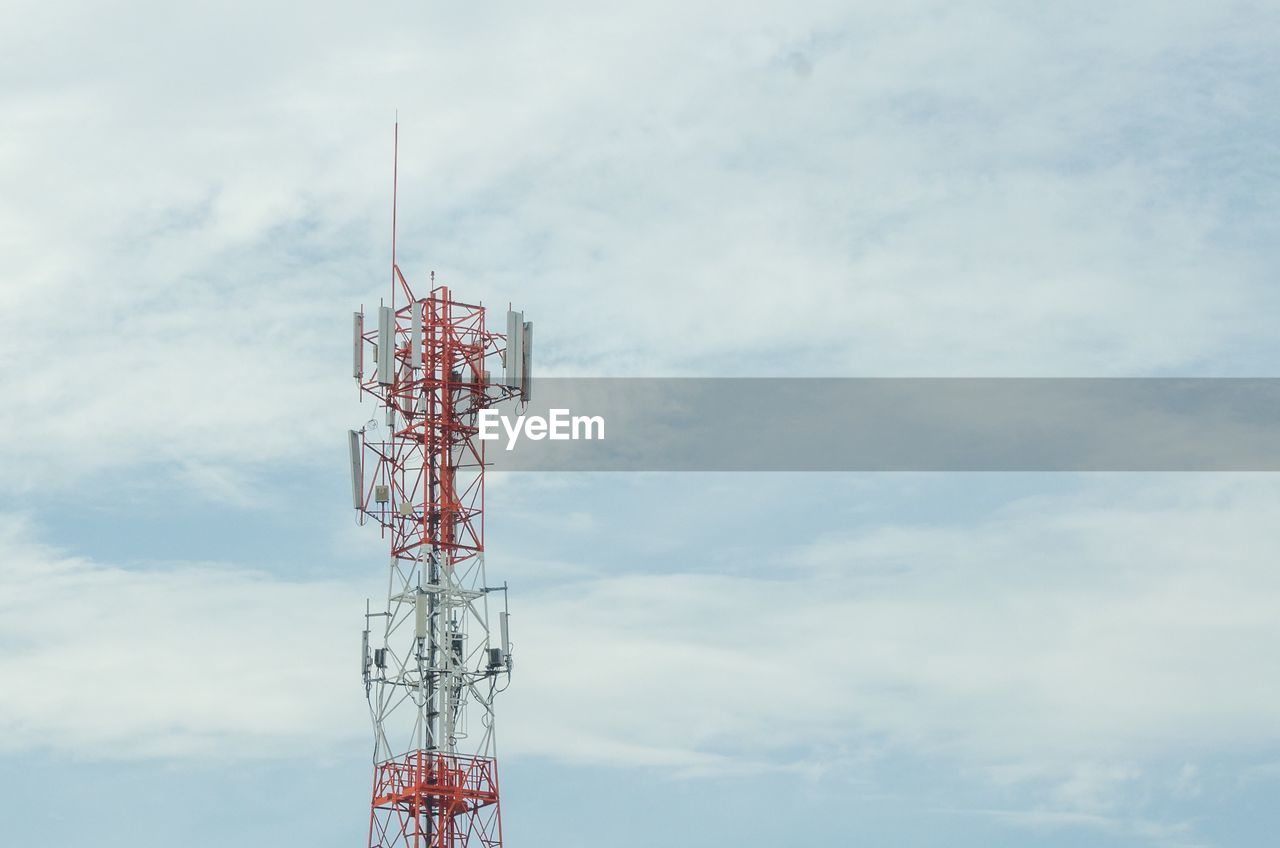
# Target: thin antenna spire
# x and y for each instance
(395, 185)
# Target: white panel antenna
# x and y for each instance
(526, 361)
(365, 659)
(515, 344)
(357, 468)
(415, 336)
(357, 351)
(386, 345)
(422, 615)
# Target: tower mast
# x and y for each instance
(432, 664)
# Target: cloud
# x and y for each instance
(1084, 651)
(1175, 835)
(1079, 653)
(195, 202)
(1112, 627)
(936, 193)
(190, 660)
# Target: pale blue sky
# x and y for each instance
(194, 201)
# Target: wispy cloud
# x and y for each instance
(192, 660)
(937, 192)
(1066, 648)
(194, 202)
(1174, 835)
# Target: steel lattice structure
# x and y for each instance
(431, 663)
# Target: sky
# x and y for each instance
(195, 197)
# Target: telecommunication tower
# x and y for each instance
(431, 663)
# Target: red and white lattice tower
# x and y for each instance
(432, 664)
